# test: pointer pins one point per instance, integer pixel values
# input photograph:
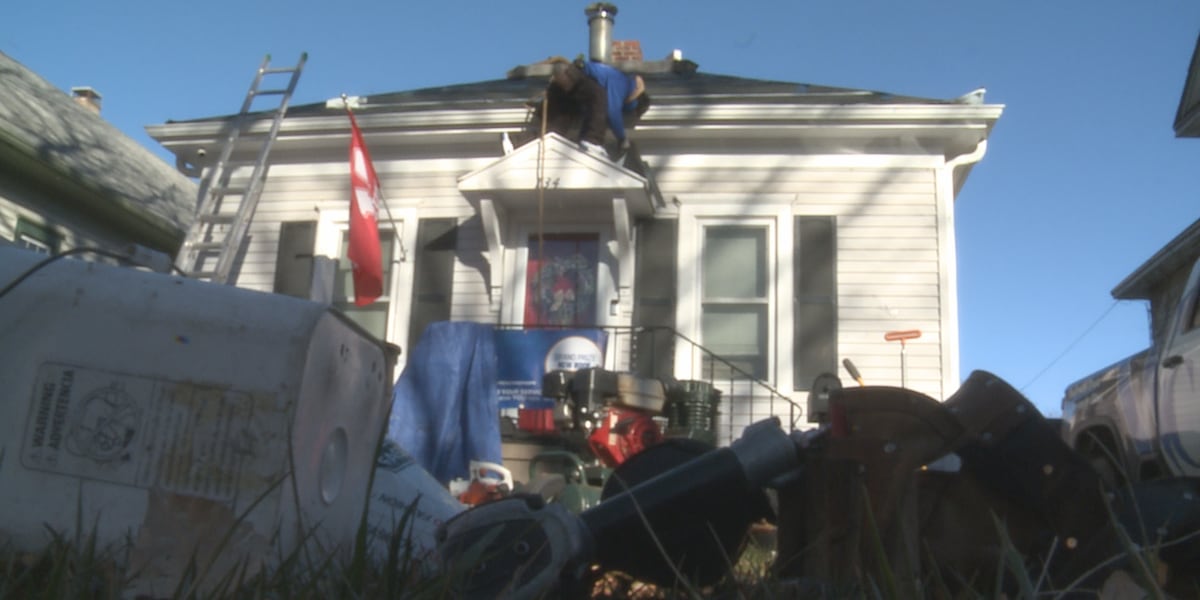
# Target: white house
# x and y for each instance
(762, 232)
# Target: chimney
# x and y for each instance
(87, 98)
(600, 23)
(626, 51)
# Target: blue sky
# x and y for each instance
(1083, 179)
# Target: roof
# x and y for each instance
(1187, 118)
(1179, 253)
(687, 106)
(665, 86)
(45, 134)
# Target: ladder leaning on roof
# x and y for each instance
(224, 212)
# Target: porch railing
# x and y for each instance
(654, 352)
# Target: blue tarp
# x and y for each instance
(445, 412)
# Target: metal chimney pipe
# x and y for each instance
(600, 23)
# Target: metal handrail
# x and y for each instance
(737, 374)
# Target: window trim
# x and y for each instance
(693, 216)
(40, 233)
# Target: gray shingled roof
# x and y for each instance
(126, 181)
(665, 86)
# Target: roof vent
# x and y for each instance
(87, 98)
(600, 23)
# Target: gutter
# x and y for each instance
(724, 114)
(966, 162)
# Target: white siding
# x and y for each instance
(74, 229)
(889, 242)
(471, 301)
(887, 247)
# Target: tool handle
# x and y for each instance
(853, 370)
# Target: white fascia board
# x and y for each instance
(792, 161)
(832, 130)
(825, 112)
(417, 121)
(724, 116)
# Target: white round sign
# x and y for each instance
(573, 353)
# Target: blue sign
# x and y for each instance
(524, 356)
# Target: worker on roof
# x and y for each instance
(623, 94)
(602, 97)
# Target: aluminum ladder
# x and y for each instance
(224, 211)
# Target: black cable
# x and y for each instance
(79, 250)
(1070, 346)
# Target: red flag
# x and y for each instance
(366, 260)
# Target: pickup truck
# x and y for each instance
(1139, 418)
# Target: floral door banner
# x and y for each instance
(560, 288)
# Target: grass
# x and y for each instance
(77, 565)
(80, 568)
(70, 567)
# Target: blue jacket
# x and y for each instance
(617, 87)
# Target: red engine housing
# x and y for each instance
(621, 433)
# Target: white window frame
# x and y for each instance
(36, 237)
(332, 226)
(695, 214)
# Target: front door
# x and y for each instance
(560, 280)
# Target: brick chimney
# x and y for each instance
(87, 98)
(626, 50)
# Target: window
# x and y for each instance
(374, 316)
(39, 238)
(735, 300)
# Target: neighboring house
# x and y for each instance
(1187, 118)
(68, 178)
(777, 226)
(1161, 279)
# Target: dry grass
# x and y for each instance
(75, 567)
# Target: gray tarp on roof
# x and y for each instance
(129, 182)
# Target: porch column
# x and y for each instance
(623, 234)
(493, 232)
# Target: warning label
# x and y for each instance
(181, 437)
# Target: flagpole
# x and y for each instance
(383, 199)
